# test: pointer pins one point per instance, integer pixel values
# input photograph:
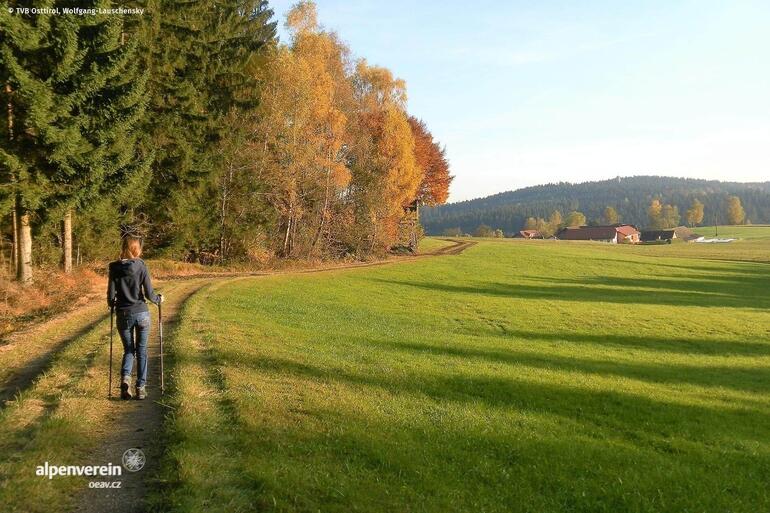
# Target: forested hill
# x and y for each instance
(629, 196)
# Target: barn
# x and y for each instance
(614, 234)
(658, 235)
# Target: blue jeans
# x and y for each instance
(134, 330)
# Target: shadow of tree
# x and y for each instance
(678, 345)
(700, 293)
(750, 288)
(730, 378)
(619, 410)
(553, 434)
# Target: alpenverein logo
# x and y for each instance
(133, 460)
(51, 471)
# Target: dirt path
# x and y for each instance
(458, 247)
(137, 424)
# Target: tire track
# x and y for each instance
(40, 346)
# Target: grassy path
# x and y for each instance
(210, 418)
(28, 353)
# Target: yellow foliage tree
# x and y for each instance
(694, 214)
(735, 212)
(575, 218)
(301, 131)
(654, 214)
(386, 176)
(333, 147)
(610, 215)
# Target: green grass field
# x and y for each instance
(753, 244)
(535, 376)
(748, 232)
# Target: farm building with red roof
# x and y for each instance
(528, 234)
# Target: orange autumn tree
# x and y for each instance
(301, 131)
(386, 176)
(334, 106)
(432, 161)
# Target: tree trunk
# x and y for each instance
(15, 220)
(322, 222)
(15, 244)
(226, 183)
(24, 271)
(67, 241)
(374, 235)
(287, 236)
(293, 238)
(2, 251)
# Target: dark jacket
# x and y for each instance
(129, 284)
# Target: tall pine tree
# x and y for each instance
(204, 68)
(75, 89)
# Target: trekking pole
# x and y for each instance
(160, 335)
(109, 387)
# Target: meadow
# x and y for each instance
(745, 232)
(516, 376)
(753, 244)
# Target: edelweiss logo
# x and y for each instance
(133, 460)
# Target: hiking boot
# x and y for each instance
(124, 388)
(141, 393)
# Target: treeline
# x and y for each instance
(629, 201)
(193, 126)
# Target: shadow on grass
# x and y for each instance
(751, 289)
(718, 265)
(734, 293)
(739, 379)
(570, 445)
(704, 346)
(619, 410)
(23, 378)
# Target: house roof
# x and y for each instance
(685, 233)
(649, 235)
(627, 230)
(587, 233)
(680, 232)
(596, 232)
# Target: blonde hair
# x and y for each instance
(132, 247)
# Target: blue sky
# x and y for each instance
(524, 93)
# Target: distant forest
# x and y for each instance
(631, 198)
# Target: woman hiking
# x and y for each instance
(129, 285)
